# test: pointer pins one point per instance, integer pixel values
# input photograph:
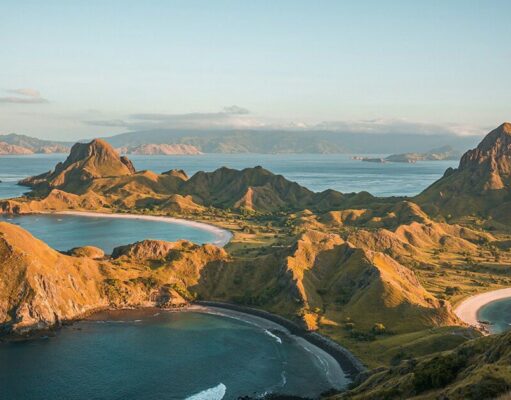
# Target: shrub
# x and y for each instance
(437, 372)
(378, 328)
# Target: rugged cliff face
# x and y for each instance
(480, 186)
(40, 287)
(86, 161)
(324, 280)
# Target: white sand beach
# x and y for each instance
(223, 236)
(468, 309)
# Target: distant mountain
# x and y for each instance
(438, 154)
(160, 149)
(282, 141)
(34, 145)
(6, 149)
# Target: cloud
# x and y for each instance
(23, 96)
(229, 117)
(403, 126)
(235, 117)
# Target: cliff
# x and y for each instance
(480, 185)
(41, 288)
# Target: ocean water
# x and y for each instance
(63, 232)
(317, 172)
(158, 355)
(498, 313)
(176, 355)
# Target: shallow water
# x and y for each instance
(64, 232)
(158, 355)
(498, 313)
(317, 172)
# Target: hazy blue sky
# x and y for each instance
(79, 69)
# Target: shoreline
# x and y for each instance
(223, 235)
(348, 363)
(338, 372)
(336, 375)
(468, 309)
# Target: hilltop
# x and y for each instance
(481, 184)
(86, 161)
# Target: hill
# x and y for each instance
(86, 161)
(476, 370)
(95, 170)
(480, 186)
(437, 154)
(36, 145)
(6, 148)
(41, 288)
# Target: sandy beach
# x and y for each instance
(468, 309)
(223, 236)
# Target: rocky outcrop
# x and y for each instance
(480, 186)
(41, 288)
(87, 161)
(86, 251)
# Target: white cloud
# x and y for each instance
(235, 117)
(23, 96)
(229, 117)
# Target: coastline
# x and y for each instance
(469, 308)
(351, 367)
(223, 235)
(336, 375)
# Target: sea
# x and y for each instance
(317, 172)
(183, 355)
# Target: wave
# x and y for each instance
(214, 393)
(279, 340)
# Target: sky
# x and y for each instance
(72, 70)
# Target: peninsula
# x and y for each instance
(380, 276)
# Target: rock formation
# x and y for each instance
(480, 186)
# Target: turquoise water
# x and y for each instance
(64, 232)
(315, 171)
(498, 313)
(136, 355)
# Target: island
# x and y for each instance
(379, 277)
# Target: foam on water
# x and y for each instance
(214, 393)
(279, 340)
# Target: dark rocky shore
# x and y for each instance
(347, 361)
